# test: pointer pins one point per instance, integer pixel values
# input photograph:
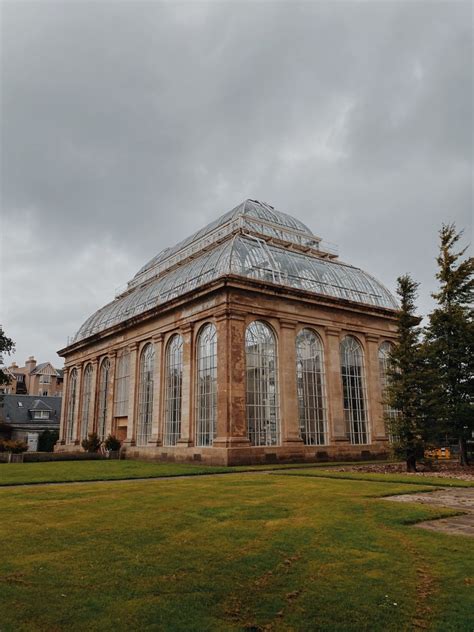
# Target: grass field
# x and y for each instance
(243, 552)
(72, 471)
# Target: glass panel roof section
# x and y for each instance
(275, 253)
(249, 217)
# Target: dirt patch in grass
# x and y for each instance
(440, 469)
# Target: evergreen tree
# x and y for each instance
(450, 338)
(409, 389)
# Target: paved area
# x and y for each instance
(459, 499)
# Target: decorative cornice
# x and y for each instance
(332, 331)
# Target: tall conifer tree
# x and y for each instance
(450, 338)
(409, 389)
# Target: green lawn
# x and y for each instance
(241, 552)
(70, 471)
(383, 478)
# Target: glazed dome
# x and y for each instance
(254, 241)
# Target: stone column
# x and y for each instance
(157, 426)
(374, 390)
(92, 418)
(337, 426)
(62, 425)
(110, 395)
(231, 382)
(187, 392)
(289, 418)
(132, 389)
(77, 407)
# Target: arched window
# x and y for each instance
(354, 392)
(206, 385)
(174, 381)
(384, 355)
(71, 406)
(311, 388)
(262, 385)
(103, 390)
(122, 375)
(145, 394)
(86, 401)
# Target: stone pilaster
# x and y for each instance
(132, 390)
(231, 384)
(62, 425)
(187, 392)
(78, 407)
(92, 416)
(109, 419)
(337, 426)
(157, 426)
(290, 431)
(374, 390)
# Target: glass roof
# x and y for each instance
(248, 250)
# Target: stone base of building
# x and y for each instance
(259, 455)
(251, 455)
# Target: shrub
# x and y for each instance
(112, 443)
(92, 443)
(5, 430)
(47, 440)
(15, 447)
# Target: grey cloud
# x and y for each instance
(126, 126)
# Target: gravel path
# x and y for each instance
(460, 499)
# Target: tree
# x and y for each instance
(450, 338)
(409, 390)
(6, 346)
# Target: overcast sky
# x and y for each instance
(127, 125)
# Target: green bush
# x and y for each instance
(47, 440)
(92, 443)
(112, 443)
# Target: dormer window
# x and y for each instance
(41, 414)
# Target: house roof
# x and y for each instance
(253, 240)
(45, 368)
(17, 409)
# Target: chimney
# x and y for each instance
(30, 364)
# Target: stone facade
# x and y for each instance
(139, 400)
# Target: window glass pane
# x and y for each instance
(262, 385)
(174, 380)
(354, 391)
(310, 381)
(121, 385)
(145, 395)
(206, 386)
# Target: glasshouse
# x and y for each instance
(248, 342)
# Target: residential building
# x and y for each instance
(42, 380)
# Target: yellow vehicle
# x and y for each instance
(438, 453)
